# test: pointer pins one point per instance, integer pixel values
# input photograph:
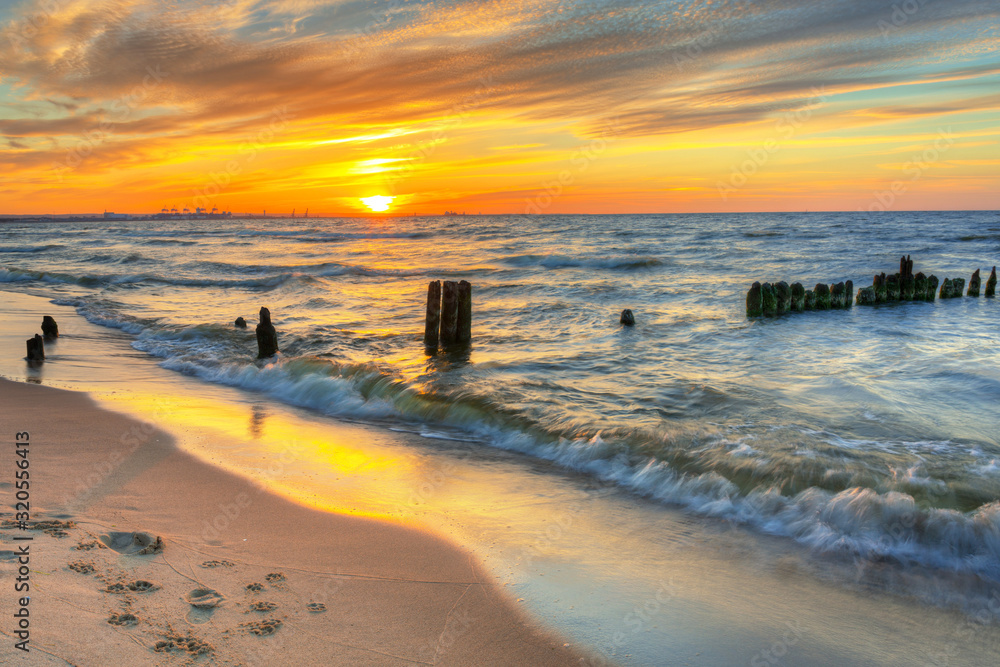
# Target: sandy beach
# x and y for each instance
(231, 574)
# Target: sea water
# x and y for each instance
(864, 435)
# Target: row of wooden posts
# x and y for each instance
(767, 300)
(36, 344)
(448, 321)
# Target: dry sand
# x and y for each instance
(151, 556)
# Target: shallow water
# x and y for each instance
(869, 433)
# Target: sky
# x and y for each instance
(512, 106)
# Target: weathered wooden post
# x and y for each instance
(849, 293)
(837, 296)
(822, 292)
(267, 337)
(768, 300)
(36, 348)
(991, 283)
(866, 296)
(881, 294)
(432, 325)
(974, 283)
(798, 298)
(892, 287)
(49, 327)
(463, 326)
(755, 306)
(783, 297)
(932, 285)
(628, 319)
(449, 312)
(959, 286)
(810, 300)
(920, 287)
(240, 323)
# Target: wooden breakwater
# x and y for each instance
(771, 300)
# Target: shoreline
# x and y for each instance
(392, 594)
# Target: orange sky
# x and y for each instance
(498, 107)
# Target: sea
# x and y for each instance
(862, 444)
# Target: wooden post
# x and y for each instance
(449, 312)
(50, 329)
(433, 321)
(463, 328)
(974, 283)
(755, 307)
(267, 337)
(991, 283)
(36, 348)
(627, 318)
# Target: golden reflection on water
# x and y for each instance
(310, 465)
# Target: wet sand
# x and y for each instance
(147, 553)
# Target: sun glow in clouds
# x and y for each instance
(378, 203)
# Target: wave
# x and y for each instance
(32, 248)
(104, 280)
(565, 262)
(321, 269)
(858, 522)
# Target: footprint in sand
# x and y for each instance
(316, 607)
(82, 567)
(263, 605)
(123, 619)
(204, 601)
(275, 577)
(87, 546)
(255, 587)
(133, 544)
(218, 563)
(137, 586)
(263, 628)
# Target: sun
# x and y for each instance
(377, 203)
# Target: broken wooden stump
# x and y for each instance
(952, 288)
(822, 292)
(49, 327)
(627, 318)
(463, 325)
(755, 306)
(267, 337)
(449, 314)
(991, 283)
(240, 323)
(798, 303)
(36, 348)
(432, 323)
(782, 297)
(974, 283)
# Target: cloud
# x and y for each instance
(650, 68)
